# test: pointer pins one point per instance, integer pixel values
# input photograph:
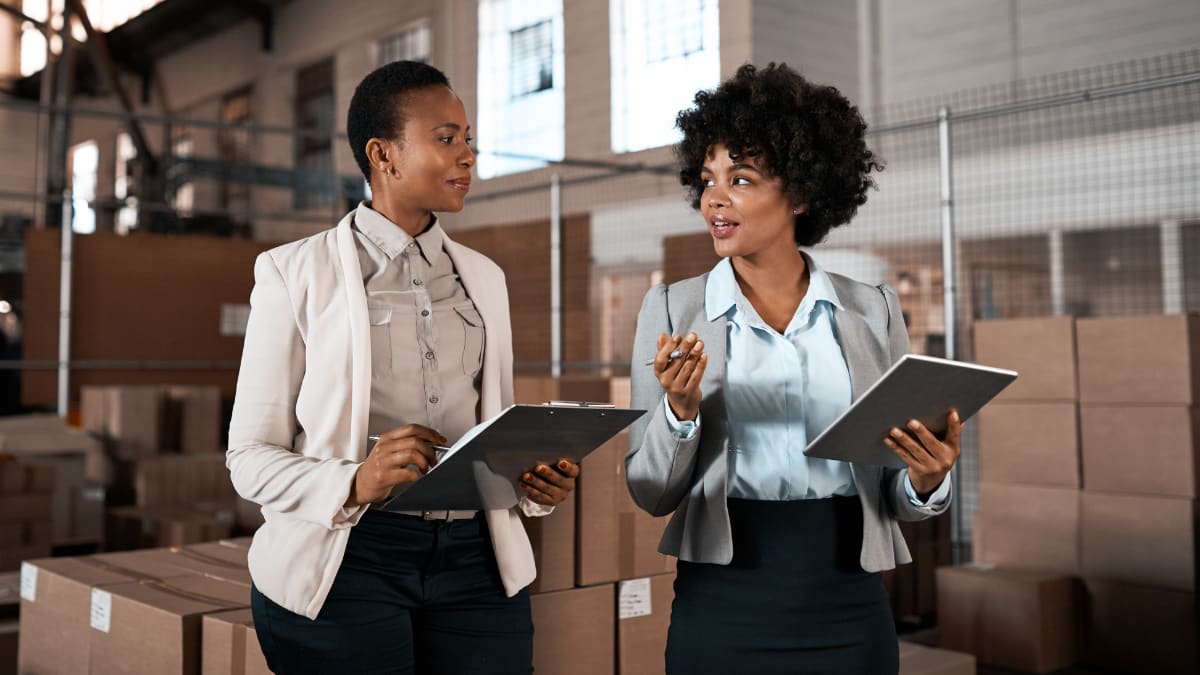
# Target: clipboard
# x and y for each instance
(918, 387)
(482, 469)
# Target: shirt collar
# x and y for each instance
(392, 239)
(721, 291)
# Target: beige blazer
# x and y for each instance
(689, 478)
(299, 426)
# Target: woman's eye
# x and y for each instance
(447, 139)
(707, 182)
(741, 180)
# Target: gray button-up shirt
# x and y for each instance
(426, 335)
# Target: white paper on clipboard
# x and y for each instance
(924, 388)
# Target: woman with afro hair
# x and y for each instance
(780, 554)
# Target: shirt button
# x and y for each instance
(416, 282)
(424, 312)
(429, 355)
(433, 399)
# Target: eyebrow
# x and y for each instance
(450, 125)
(736, 166)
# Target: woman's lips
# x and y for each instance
(722, 228)
(460, 185)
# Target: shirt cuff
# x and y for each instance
(936, 499)
(685, 430)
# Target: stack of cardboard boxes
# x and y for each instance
(603, 593)
(167, 482)
(77, 494)
(1139, 388)
(26, 510)
(1019, 605)
(138, 612)
(1088, 470)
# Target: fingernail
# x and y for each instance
(897, 433)
(543, 470)
(912, 424)
(563, 464)
(528, 476)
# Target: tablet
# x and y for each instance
(915, 387)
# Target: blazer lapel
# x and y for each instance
(853, 331)
(360, 337)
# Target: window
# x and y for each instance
(314, 140)
(663, 52)
(532, 50)
(521, 73)
(234, 149)
(411, 44)
(33, 41)
(124, 187)
(85, 160)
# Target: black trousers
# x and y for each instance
(411, 596)
(794, 600)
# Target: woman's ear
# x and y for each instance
(379, 156)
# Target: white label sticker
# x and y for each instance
(28, 582)
(101, 609)
(634, 598)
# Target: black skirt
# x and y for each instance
(793, 600)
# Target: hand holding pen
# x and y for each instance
(679, 366)
(399, 456)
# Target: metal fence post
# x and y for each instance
(556, 351)
(950, 296)
(64, 304)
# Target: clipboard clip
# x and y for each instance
(579, 404)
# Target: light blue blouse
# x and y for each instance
(781, 392)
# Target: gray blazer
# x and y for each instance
(689, 477)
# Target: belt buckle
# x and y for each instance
(435, 515)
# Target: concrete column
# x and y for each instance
(1058, 289)
(1171, 245)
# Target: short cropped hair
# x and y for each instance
(377, 107)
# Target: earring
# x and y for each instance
(391, 171)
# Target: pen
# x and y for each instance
(670, 357)
(436, 448)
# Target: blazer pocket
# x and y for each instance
(473, 339)
(380, 319)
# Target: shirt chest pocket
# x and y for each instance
(380, 319)
(472, 339)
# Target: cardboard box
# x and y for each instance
(206, 559)
(643, 617)
(553, 540)
(230, 645)
(8, 647)
(921, 660)
(182, 479)
(1139, 359)
(195, 417)
(129, 418)
(1020, 620)
(55, 606)
(575, 631)
(1140, 540)
(598, 492)
(1030, 443)
(154, 626)
(1149, 450)
(20, 508)
(1042, 350)
(26, 477)
(1029, 527)
(78, 463)
(540, 389)
(131, 528)
(1139, 629)
(638, 536)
